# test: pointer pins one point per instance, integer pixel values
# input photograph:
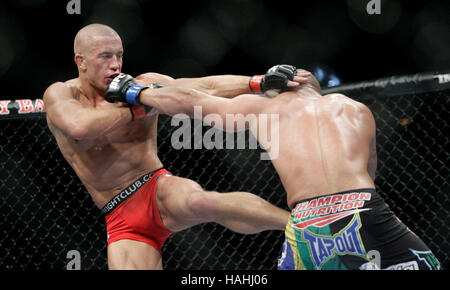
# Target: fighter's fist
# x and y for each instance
(277, 77)
(123, 88)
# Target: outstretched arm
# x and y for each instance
(175, 100)
(226, 86)
(229, 86)
(183, 95)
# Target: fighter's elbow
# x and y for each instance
(78, 131)
(76, 128)
(82, 128)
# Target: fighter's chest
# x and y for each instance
(98, 103)
(130, 132)
(121, 139)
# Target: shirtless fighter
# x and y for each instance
(112, 148)
(326, 160)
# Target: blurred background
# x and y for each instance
(337, 40)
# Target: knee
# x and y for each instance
(203, 203)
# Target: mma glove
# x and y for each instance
(276, 78)
(123, 88)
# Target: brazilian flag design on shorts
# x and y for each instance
(323, 248)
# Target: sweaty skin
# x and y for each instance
(326, 143)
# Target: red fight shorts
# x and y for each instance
(133, 213)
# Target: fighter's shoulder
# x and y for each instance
(61, 90)
(343, 99)
(154, 78)
(254, 100)
(337, 97)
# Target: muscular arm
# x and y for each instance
(226, 86)
(181, 100)
(214, 94)
(77, 121)
(177, 96)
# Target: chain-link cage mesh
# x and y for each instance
(45, 211)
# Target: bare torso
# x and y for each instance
(108, 164)
(324, 145)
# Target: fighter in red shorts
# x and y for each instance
(137, 218)
(112, 148)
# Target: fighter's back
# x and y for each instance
(324, 145)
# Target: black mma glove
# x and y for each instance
(276, 77)
(123, 88)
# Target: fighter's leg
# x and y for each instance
(133, 255)
(183, 203)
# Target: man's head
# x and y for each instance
(312, 83)
(98, 54)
